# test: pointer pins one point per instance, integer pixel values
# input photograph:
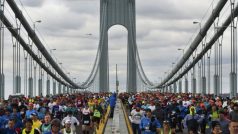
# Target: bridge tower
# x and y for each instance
(117, 12)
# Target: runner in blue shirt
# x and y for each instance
(10, 129)
(30, 110)
(149, 124)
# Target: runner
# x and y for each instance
(46, 126)
(55, 127)
(149, 124)
(68, 129)
(86, 119)
(73, 120)
(29, 128)
(136, 115)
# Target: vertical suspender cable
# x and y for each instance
(35, 66)
(194, 82)
(216, 61)
(14, 64)
(204, 83)
(209, 71)
(2, 81)
(235, 39)
(232, 38)
(30, 89)
(1, 57)
(19, 65)
(220, 63)
(199, 76)
(18, 60)
(25, 72)
(42, 78)
(233, 73)
(39, 75)
(30, 60)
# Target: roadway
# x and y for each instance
(117, 124)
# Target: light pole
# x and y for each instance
(60, 64)
(51, 50)
(180, 49)
(89, 34)
(165, 73)
(196, 22)
(34, 24)
(160, 79)
(172, 65)
(68, 74)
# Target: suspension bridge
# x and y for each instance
(31, 60)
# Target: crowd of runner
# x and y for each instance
(61, 114)
(169, 113)
(149, 113)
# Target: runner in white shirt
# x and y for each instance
(136, 115)
(152, 107)
(74, 121)
(68, 128)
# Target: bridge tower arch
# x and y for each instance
(117, 12)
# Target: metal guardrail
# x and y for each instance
(128, 124)
(103, 123)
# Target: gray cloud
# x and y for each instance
(32, 3)
(172, 9)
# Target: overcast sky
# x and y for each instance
(72, 28)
